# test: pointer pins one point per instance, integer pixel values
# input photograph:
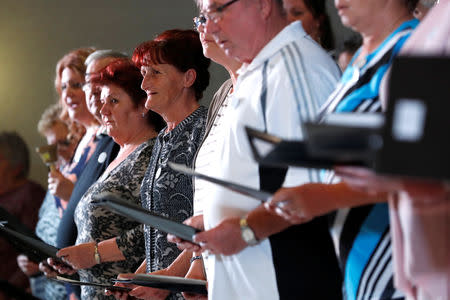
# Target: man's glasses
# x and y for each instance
(213, 15)
(199, 21)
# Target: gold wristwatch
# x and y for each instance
(247, 233)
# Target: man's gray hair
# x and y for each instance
(279, 4)
(14, 149)
(100, 54)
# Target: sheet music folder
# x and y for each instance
(415, 138)
(33, 247)
(171, 283)
(260, 195)
(145, 216)
(411, 142)
(325, 153)
(94, 284)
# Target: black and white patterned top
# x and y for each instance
(97, 224)
(168, 192)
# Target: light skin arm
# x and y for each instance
(196, 271)
(303, 203)
(82, 256)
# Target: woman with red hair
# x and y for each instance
(175, 75)
(109, 244)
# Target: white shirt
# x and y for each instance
(206, 160)
(300, 77)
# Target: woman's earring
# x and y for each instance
(143, 114)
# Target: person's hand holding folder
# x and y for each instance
(122, 295)
(81, 256)
(196, 222)
(139, 292)
(53, 267)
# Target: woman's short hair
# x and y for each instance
(49, 118)
(318, 11)
(14, 149)
(179, 48)
(124, 74)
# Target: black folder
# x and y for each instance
(98, 285)
(416, 139)
(262, 196)
(325, 153)
(33, 247)
(412, 141)
(171, 283)
(142, 215)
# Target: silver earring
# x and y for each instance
(143, 114)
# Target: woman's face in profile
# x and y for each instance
(73, 95)
(164, 85)
(120, 115)
(298, 11)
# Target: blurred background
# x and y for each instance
(35, 34)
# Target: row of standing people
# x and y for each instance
(284, 79)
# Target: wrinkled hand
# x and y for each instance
(224, 239)
(195, 272)
(59, 185)
(148, 293)
(121, 295)
(26, 265)
(80, 256)
(195, 221)
(298, 204)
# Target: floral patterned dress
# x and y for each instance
(95, 223)
(168, 192)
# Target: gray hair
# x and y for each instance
(49, 117)
(14, 149)
(428, 3)
(279, 4)
(100, 54)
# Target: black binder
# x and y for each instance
(98, 285)
(142, 215)
(32, 246)
(322, 151)
(416, 139)
(171, 283)
(262, 196)
(412, 141)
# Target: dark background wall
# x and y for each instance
(34, 34)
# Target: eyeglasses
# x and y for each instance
(199, 21)
(213, 15)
